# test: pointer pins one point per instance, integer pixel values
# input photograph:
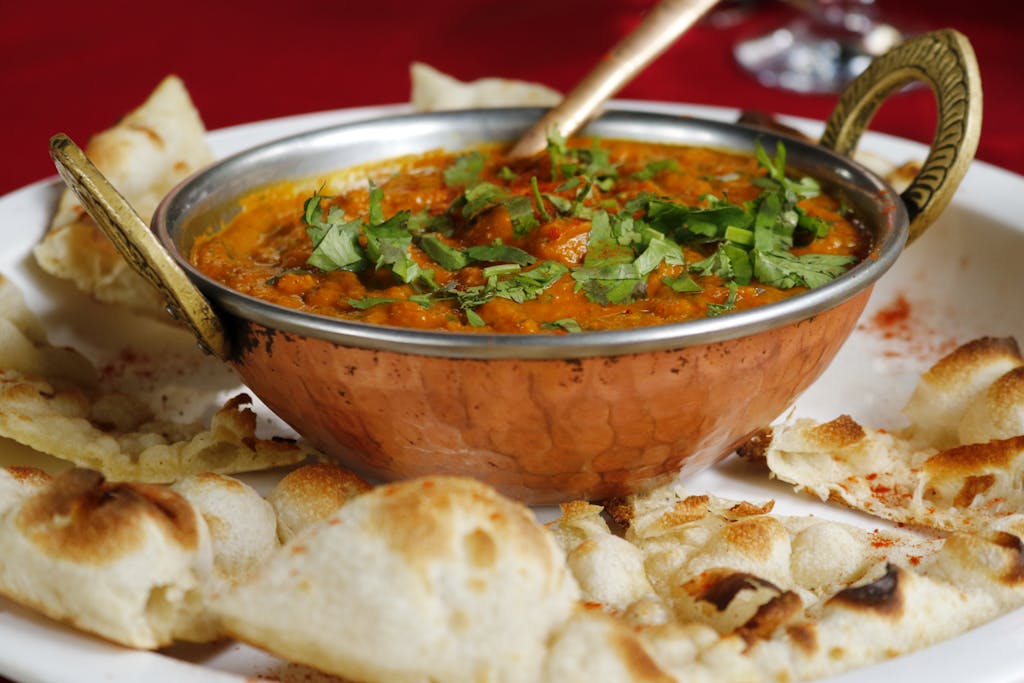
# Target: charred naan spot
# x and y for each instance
(1015, 572)
(756, 448)
(84, 518)
(975, 457)
(481, 549)
(840, 432)
(804, 636)
(690, 509)
(721, 590)
(637, 662)
(882, 595)
(149, 133)
(951, 369)
(770, 616)
(756, 536)
(973, 486)
(746, 509)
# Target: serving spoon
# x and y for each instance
(659, 29)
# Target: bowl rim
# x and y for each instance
(890, 240)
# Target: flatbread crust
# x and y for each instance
(428, 579)
(144, 155)
(433, 90)
(122, 561)
(51, 400)
(958, 466)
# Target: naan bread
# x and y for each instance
(144, 155)
(122, 561)
(839, 596)
(433, 90)
(310, 494)
(927, 474)
(51, 400)
(429, 579)
(243, 527)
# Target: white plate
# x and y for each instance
(961, 280)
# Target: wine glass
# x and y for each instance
(821, 50)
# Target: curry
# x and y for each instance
(595, 235)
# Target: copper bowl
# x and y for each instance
(543, 418)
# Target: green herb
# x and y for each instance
(500, 253)
(567, 324)
(274, 279)
(465, 171)
(447, 256)
(480, 198)
(507, 173)
(520, 212)
(335, 242)
(474, 319)
(424, 221)
(715, 310)
(369, 302)
(653, 168)
(785, 270)
(500, 269)
(682, 284)
(538, 200)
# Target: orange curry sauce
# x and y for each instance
(263, 251)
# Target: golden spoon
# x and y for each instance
(656, 32)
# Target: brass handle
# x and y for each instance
(945, 61)
(662, 25)
(137, 244)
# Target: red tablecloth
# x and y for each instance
(76, 66)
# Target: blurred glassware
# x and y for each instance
(821, 50)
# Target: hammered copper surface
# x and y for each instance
(542, 431)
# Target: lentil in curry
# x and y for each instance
(596, 235)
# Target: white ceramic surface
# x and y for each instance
(960, 281)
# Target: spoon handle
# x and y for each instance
(659, 29)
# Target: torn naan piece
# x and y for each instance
(122, 561)
(52, 401)
(736, 567)
(852, 597)
(312, 493)
(144, 155)
(433, 90)
(243, 527)
(926, 474)
(438, 578)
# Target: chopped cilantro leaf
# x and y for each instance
(682, 284)
(465, 172)
(500, 253)
(370, 301)
(653, 168)
(448, 257)
(715, 310)
(520, 212)
(784, 270)
(567, 324)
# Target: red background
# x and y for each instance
(76, 66)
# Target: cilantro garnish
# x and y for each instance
(565, 324)
(715, 310)
(466, 170)
(335, 241)
(653, 168)
(371, 301)
(738, 242)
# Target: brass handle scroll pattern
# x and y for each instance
(137, 244)
(945, 61)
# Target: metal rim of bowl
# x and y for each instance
(283, 159)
